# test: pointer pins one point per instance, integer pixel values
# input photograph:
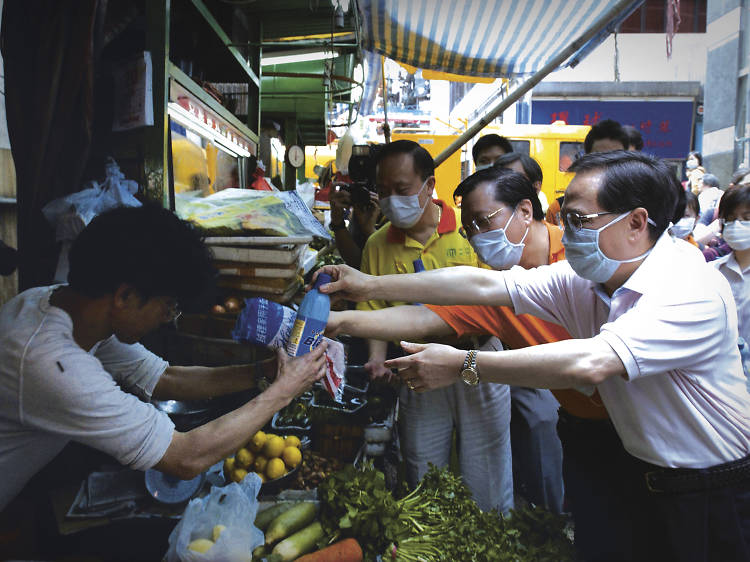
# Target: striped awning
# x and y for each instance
(489, 38)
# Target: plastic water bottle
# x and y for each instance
(311, 320)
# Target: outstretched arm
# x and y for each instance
(406, 322)
(563, 364)
(449, 285)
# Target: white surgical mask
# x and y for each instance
(494, 248)
(403, 210)
(586, 257)
(683, 227)
(737, 234)
(483, 166)
(691, 164)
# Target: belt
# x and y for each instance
(686, 480)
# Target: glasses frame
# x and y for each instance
(472, 229)
(173, 312)
(578, 226)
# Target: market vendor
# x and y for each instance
(662, 355)
(71, 368)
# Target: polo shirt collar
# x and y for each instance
(447, 224)
(655, 266)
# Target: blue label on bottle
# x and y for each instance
(306, 335)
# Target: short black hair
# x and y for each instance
(487, 141)
(147, 247)
(606, 129)
(510, 188)
(530, 166)
(697, 156)
(424, 165)
(733, 198)
(634, 137)
(634, 179)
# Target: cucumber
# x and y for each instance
(260, 552)
(300, 543)
(290, 522)
(264, 518)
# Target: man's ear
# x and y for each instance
(638, 222)
(525, 209)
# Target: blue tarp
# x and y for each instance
(490, 38)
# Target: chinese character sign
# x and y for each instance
(666, 126)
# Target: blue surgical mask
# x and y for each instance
(682, 227)
(494, 248)
(483, 166)
(403, 210)
(586, 257)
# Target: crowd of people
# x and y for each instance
(606, 347)
(581, 353)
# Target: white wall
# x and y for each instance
(642, 58)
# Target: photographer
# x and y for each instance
(361, 207)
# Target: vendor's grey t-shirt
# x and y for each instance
(52, 391)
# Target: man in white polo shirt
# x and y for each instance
(662, 354)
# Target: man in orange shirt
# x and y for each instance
(501, 200)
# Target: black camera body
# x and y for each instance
(362, 172)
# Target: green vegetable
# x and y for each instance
(260, 552)
(264, 518)
(290, 522)
(438, 520)
(300, 543)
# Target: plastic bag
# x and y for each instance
(306, 191)
(234, 506)
(71, 213)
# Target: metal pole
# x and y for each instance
(537, 77)
(386, 126)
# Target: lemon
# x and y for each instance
(238, 475)
(201, 545)
(261, 476)
(273, 447)
(228, 467)
(260, 463)
(292, 456)
(243, 458)
(257, 442)
(292, 441)
(217, 531)
(275, 469)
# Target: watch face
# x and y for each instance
(296, 155)
(470, 376)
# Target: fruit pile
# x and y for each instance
(269, 456)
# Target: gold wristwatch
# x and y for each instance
(469, 372)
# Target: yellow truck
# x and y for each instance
(553, 146)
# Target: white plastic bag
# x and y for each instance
(234, 506)
(71, 213)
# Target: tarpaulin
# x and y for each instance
(488, 38)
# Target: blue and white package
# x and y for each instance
(264, 322)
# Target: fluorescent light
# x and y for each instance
(299, 55)
(182, 116)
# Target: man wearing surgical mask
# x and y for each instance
(663, 355)
(424, 233)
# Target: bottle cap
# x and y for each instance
(322, 279)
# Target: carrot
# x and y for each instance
(347, 550)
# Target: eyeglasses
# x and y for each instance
(482, 223)
(576, 221)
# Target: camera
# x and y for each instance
(362, 172)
